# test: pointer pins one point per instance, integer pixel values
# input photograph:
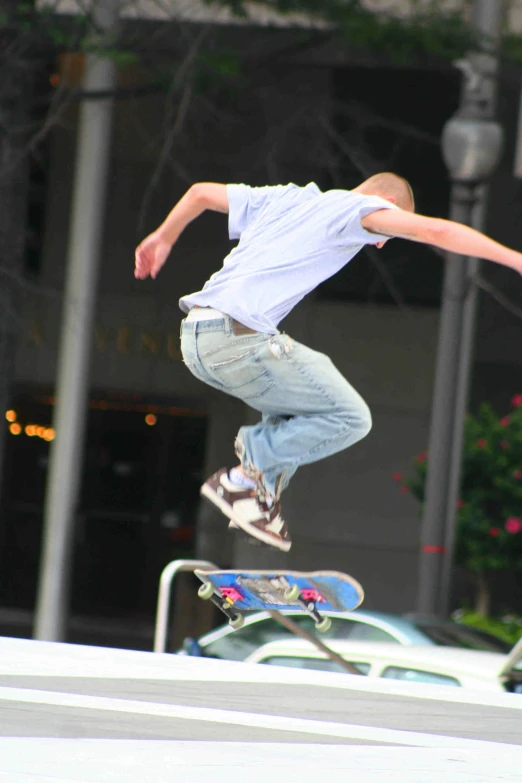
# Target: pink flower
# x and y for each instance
(404, 489)
(398, 476)
(504, 422)
(517, 474)
(516, 401)
(482, 442)
(460, 504)
(422, 457)
(494, 531)
(504, 445)
(513, 525)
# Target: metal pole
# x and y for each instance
(457, 324)
(94, 137)
(442, 420)
(488, 19)
(163, 605)
(464, 372)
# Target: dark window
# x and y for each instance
(460, 635)
(417, 675)
(38, 164)
(386, 119)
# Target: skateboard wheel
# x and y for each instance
(206, 591)
(237, 621)
(292, 593)
(323, 625)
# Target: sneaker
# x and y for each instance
(270, 528)
(272, 531)
(223, 493)
(247, 511)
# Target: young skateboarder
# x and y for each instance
(290, 239)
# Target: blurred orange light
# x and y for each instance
(150, 419)
(15, 429)
(10, 415)
(40, 431)
(54, 79)
(30, 430)
(49, 434)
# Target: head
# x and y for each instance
(389, 187)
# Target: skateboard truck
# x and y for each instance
(308, 602)
(223, 603)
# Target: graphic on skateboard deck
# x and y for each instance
(237, 591)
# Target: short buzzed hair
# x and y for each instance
(388, 184)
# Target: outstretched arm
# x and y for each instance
(152, 253)
(446, 234)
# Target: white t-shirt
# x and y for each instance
(291, 239)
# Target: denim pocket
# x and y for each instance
(240, 372)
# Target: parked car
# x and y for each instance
(474, 669)
(360, 625)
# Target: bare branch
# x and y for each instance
(359, 160)
(365, 117)
(388, 280)
(182, 112)
(498, 296)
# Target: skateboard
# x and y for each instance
(234, 592)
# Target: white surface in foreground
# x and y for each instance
(52, 659)
(251, 719)
(132, 761)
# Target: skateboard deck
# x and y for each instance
(313, 591)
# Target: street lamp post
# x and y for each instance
(471, 145)
(83, 266)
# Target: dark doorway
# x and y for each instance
(140, 492)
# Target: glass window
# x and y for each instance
(237, 645)
(317, 664)
(460, 635)
(362, 632)
(416, 675)
(340, 628)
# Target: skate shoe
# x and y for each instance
(270, 528)
(224, 494)
(247, 511)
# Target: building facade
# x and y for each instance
(154, 432)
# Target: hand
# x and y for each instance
(151, 254)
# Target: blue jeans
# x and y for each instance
(309, 410)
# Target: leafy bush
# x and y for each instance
(508, 628)
(489, 510)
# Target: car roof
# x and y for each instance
(477, 662)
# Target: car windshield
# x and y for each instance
(460, 635)
(237, 645)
